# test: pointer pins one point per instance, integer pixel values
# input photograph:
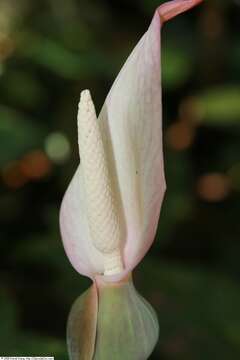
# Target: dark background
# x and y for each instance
(50, 50)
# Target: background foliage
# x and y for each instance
(49, 51)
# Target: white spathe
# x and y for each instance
(131, 128)
(130, 124)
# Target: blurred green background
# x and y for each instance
(50, 50)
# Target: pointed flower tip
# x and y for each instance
(85, 102)
(173, 8)
(85, 94)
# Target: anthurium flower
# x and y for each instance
(111, 209)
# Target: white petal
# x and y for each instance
(75, 230)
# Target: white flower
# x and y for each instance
(110, 211)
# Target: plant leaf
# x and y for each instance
(127, 326)
(82, 323)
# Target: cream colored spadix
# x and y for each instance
(101, 212)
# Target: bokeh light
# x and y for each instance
(213, 187)
(35, 165)
(180, 135)
(57, 147)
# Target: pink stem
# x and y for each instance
(170, 9)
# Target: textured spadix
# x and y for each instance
(130, 124)
(126, 327)
(100, 201)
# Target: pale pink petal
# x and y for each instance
(171, 9)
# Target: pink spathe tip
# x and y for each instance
(171, 9)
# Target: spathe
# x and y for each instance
(130, 124)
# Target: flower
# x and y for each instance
(110, 211)
(129, 133)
